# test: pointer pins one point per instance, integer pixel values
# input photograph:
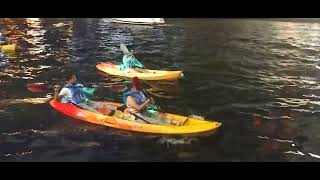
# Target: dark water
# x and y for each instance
(258, 77)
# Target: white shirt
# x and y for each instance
(66, 93)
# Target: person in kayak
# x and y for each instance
(137, 104)
(2, 42)
(129, 61)
(6, 39)
(74, 93)
(3, 39)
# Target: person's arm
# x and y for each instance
(135, 62)
(56, 91)
(138, 63)
(131, 102)
(89, 91)
(58, 96)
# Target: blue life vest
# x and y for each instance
(138, 96)
(77, 95)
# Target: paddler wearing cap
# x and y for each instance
(137, 103)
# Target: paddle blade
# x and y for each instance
(124, 49)
(38, 87)
(89, 91)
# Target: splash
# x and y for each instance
(177, 141)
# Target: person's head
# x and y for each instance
(136, 84)
(71, 78)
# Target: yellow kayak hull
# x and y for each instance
(192, 126)
(8, 48)
(147, 74)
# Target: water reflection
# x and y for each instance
(257, 77)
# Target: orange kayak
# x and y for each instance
(147, 74)
(121, 121)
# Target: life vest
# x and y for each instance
(138, 96)
(77, 95)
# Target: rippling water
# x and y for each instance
(258, 77)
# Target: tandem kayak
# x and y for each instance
(119, 120)
(147, 74)
(143, 21)
(8, 48)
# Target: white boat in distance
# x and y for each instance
(139, 20)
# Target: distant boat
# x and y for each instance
(146, 21)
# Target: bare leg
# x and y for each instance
(165, 119)
(151, 119)
(93, 106)
(96, 105)
(87, 107)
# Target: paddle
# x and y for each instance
(124, 49)
(153, 101)
(161, 110)
(44, 87)
(139, 117)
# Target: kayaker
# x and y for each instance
(2, 39)
(129, 61)
(137, 103)
(2, 42)
(2, 58)
(73, 92)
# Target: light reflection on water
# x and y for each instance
(259, 78)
